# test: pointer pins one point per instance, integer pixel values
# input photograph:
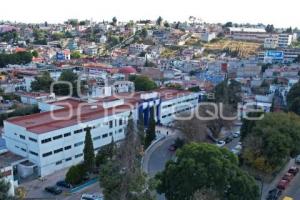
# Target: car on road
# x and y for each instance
(64, 184)
(293, 170)
(283, 184)
(297, 160)
(274, 194)
(288, 177)
(53, 190)
(220, 143)
(172, 147)
(91, 197)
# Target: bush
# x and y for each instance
(75, 175)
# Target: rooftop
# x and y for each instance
(8, 158)
(75, 111)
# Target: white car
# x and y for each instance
(91, 197)
(220, 143)
(236, 134)
(237, 149)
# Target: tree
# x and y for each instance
(114, 21)
(20, 58)
(143, 83)
(159, 21)
(293, 99)
(272, 141)
(270, 28)
(150, 133)
(248, 125)
(166, 24)
(75, 55)
(75, 174)
(228, 24)
(35, 54)
(228, 92)
(88, 151)
(105, 154)
(122, 177)
(204, 169)
(4, 188)
(64, 89)
(42, 83)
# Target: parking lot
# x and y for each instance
(35, 188)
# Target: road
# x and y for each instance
(35, 188)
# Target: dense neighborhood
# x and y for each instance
(149, 109)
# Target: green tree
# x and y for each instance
(75, 174)
(270, 28)
(15, 58)
(272, 141)
(159, 21)
(64, 89)
(42, 83)
(122, 177)
(88, 151)
(105, 154)
(293, 99)
(150, 133)
(228, 24)
(143, 83)
(35, 53)
(248, 125)
(206, 169)
(228, 92)
(4, 188)
(75, 55)
(114, 21)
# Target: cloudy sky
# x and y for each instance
(280, 13)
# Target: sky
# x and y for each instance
(280, 13)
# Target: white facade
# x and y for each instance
(62, 148)
(271, 42)
(285, 40)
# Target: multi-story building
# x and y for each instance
(54, 139)
(247, 34)
(285, 40)
(271, 42)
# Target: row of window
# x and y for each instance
(69, 159)
(184, 101)
(57, 151)
(178, 111)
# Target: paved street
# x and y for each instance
(35, 188)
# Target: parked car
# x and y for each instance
(294, 170)
(297, 160)
(236, 134)
(228, 139)
(237, 149)
(63, 184)
(91, 197)
(220, 143)
(282, 185)
(53, 190)
(288, 177)
(274, 194)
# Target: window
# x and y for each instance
(78, 144)
(58, 162)
(78, 131)
(120, 122)
(46, 140)
(120, 130)
(57, 137)
(47, 154)
(32, 139)
(78, 155)
(23, 149)
(110, 134)
(22, 137)
(97, 138)
(33, 153)
(67, 134)
(58, 150)
(105, 135)
(68, 159)
(68, 147)
(110, 124)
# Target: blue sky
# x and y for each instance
(280, 13)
